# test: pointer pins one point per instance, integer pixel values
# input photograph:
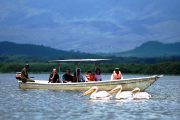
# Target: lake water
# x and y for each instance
(17, 104)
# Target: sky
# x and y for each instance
(92, 26)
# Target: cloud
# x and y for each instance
(30, 12)
(7, 7)
(165, 31)
(91, 25)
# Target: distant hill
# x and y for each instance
(148, 49)
(11, 49)
(153, 49)
(13, 52)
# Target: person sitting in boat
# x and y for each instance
(54, 77)
(78, 77)
(24, 74)
(98, 75)
(67, 77)
(90, 76)
(116, 75)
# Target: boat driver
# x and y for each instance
(24, 74)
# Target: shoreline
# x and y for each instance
(167, 68)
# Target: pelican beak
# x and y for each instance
(135, 90)
(88, 92)
(115, 90)
(112, 92)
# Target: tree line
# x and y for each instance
(172, 68)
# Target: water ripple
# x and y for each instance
(47, 105)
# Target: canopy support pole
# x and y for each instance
(76, 66)
(59, 69)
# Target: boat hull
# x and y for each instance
(127, 84)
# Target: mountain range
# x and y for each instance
(153, 49)
(39, 52)
(146, 50)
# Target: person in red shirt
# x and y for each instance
(90, 76)
(116, 75)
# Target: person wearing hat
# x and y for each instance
(116, 75)
(24, 74)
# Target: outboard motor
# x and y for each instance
(18, 75)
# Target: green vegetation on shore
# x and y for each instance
(158, 68)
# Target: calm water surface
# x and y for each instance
(17, 104)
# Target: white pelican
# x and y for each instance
(120, 94)
(101, 95)
(140, 95)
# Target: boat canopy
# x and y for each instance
(79, 60)
(76, 61)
